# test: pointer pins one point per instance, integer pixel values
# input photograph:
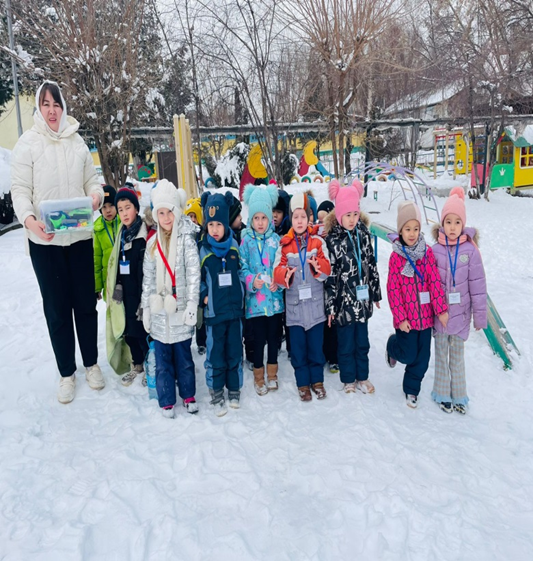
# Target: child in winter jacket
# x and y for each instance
(264, 302)
(280, 213)
(194, 211)
(171, 289)
(353, 287)
(415, 296)
(222, 298)
(301, 267)
(463, 277)
(105, 231)
(125, 278)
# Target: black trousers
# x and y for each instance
(66, 280)
(330, 343)
(138, 347)
(266, 331)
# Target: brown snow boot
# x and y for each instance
(305, 393)
(319, 389)
(259, 381)
(272, 377)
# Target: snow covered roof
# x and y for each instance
(521, 136)
(427, 99)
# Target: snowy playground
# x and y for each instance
(352, 477)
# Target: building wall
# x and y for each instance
(8, 121)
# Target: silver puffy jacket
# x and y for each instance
(187, 284)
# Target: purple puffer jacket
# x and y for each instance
(469, 282)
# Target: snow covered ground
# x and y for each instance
(352, 477)
(5, 171)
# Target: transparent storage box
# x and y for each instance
(67, 215)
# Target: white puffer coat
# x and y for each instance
(46, 166)
(187, 272)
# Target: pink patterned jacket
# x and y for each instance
(403, 292)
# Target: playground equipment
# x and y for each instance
(309, 163)
(184, 156)
(499, 338)
(253, 170)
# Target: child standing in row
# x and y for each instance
(126, 277)
(353, 287)
(171, 288)
(415, 296)
(105, 232)
(301, 267)
(264, 302)
(463, 277)
(222, 297)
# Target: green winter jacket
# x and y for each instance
(103, 246)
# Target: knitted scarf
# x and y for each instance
(415, 252)
(131, 233)
(221, 248)
(164, 297)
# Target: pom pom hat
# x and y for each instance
(165, 195)
(216, 208)
(260, 198)
(299, 200)
(130, 195)
(407, 210)
(347, 198)
(455, 205)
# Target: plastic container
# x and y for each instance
(67, 215)
(149, 368)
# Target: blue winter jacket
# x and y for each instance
(261, 302)
(224, 302)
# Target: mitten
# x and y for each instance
(146, 319)
(118, 294)
(189, 317)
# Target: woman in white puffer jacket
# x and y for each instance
(51, 161)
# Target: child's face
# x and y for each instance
(300, 221)
(453, 226)
(237, 223)
(277, 217)
(322, 216)
(109, 211)
(165, 219)
(215, 230)
(192, 216)
(350, 220)
(410, 232)
(127, 212)
(260, 222)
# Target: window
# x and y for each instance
(526, 157)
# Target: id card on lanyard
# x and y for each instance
(424, 296)
(124, 265)
(224, 278)
(304, 290)
(362, 291)
(453, 297)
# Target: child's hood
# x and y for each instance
(331, 222)
(470, 232)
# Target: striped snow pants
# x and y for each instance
(450, 377)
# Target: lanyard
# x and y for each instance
(357, 254)
(122, 245)
(414, 266)
(454, 266)
(169, 270)
(262, 249)
(302, 260)
(111, 239)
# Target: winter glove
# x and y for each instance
(146, 319)
(189, 317)
(118, 294)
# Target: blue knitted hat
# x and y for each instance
(260, 198)
(216, 208)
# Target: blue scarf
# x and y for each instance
(220, 249)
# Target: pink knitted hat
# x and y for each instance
(455, 205)
(346, 198)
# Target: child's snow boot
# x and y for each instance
(349, 387)
(319, 389)
(272, 377)
(460, 408)
(446, 406)
(67, 389)
(201, 350)
(191, 405)
(334, 368)
(168, 412)
(411, 400)
(365, 386)
(305, 393)
(219, 403)
(127, 379)
(259, 381)
(234, 399)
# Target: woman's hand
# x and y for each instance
(38, 228)
(96, 201)
(405, 326)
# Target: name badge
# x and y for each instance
(362, 292)
(454, 298)
(305, 292)
(224, 279)
(124, 267)
(424, 298)
(265, 278)
(127, 246)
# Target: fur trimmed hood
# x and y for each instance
(330, 222)
(471, 233)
